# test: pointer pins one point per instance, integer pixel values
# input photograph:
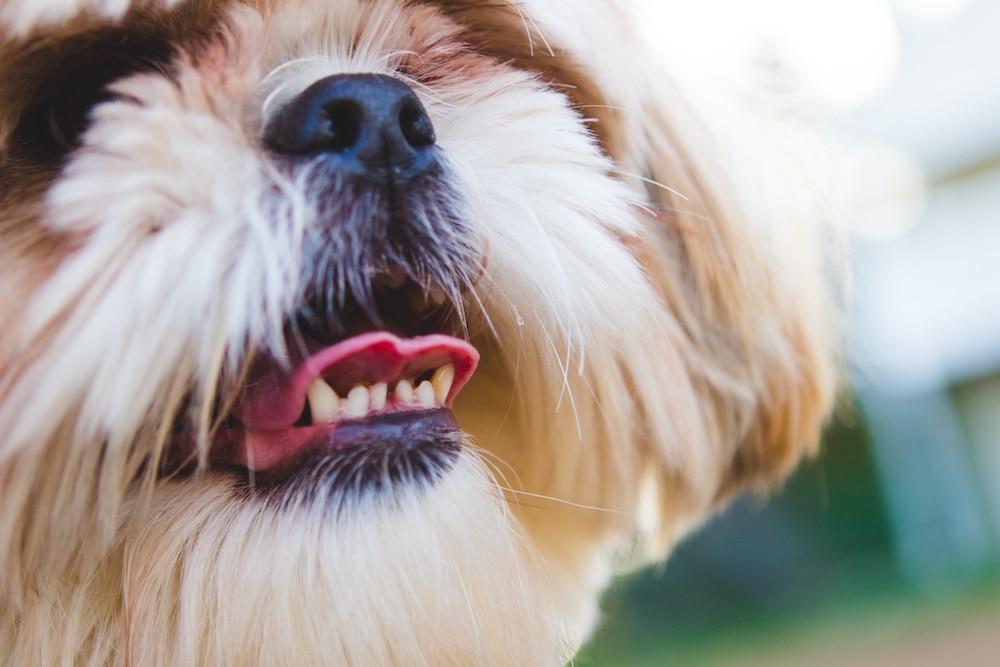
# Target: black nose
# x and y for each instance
(371, 123)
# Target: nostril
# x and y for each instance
(343, 121)
(415, 125)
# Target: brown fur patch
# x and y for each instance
(500, 30)
(43, 65)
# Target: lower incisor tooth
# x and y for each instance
(378, 394)
(425, 393)
(358, 400)
(404, 392)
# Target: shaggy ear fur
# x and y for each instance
(745, 272)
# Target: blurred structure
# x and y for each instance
(927, 290)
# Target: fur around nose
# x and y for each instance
(369, 123)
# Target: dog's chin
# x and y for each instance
(295, 578)
(341, 485)
(366, 457)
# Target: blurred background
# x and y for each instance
(886, 549)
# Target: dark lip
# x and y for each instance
(358, 457)
(366, 453)
(392, 431)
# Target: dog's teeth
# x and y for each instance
(357, 402)
(323, 401)
(442, 381)
(378, 394)
(425, 394)
(404, 392)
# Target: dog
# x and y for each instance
(374, 332)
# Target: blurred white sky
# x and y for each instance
(839, 54)
(845, 50)
(912, 88)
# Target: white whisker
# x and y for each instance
(651, 181)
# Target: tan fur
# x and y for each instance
(652, 314)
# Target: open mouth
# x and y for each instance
(366, 402)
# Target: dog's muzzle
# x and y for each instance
(374, 360)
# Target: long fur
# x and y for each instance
(655, 331)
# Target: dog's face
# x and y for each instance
(368, 331)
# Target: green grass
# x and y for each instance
(867, 614)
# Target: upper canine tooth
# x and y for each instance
(378, 394)
(323, 401)
(404, 392)
(442, 380)
(357, 402)
(425, 392)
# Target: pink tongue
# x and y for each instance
(275, 396)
